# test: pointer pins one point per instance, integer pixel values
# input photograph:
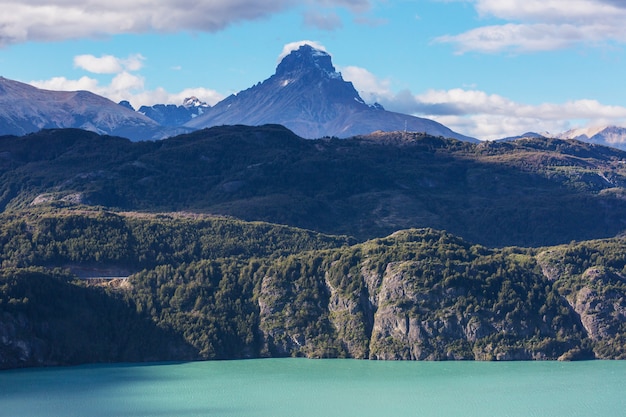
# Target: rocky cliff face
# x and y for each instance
(415, 295)
(17, 344)
(597, 298)
(421, 305)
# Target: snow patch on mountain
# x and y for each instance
(194, 101)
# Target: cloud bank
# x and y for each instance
(108, 64)
(483, 115)
(466, 110)
(542, 25)
(55, 20)
(125, 84)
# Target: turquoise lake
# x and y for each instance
(303, 388)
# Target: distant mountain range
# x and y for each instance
(172, 115)
(612, 136)
(26, 109)
(306, 94)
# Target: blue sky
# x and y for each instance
(485, 68)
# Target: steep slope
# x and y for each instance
(25, 109)
(211, 288)
(308, 96)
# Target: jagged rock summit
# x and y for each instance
(308, 96)
(172, 115)
(25, 109)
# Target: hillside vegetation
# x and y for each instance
(527, 193)
(243, 290)
(244, 242)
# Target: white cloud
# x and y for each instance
(160, 96)
(490, 116)
(53, 20)
(123, 85)
(370, 88)
(292, 46)
(63, 84)
(133, 62)
(516, 38)
(483, 115)
(108, 64)
(551, 11)
(125, 82)
(542, 25)
(126, 86)
(104, 65)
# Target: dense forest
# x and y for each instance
(245, 242)
(530, 192)
(200, 287)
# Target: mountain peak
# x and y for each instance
(26, 109)
(307, 59)
(308, 96)
(194, 101)
(614, 136)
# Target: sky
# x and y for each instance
(485, 68)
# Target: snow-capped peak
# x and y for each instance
(305, 59)
(193, 102)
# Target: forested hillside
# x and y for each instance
(214, 288)
(240, 242)
(530, 192)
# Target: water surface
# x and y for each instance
(307, 388)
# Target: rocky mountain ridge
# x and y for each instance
(27, 109)
(535, 268)
(307, 95)
(174, 116)
(613, 136)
